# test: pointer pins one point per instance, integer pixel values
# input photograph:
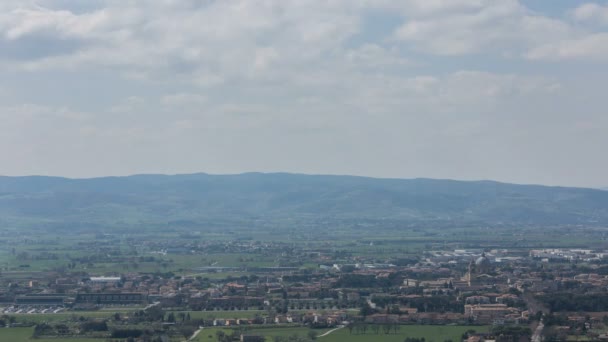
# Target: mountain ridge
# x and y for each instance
(146, 175)
(145, 198)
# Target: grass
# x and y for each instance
(209, 334)
(37, 318)
(429, 332)
(436, 333)
(25, 334)
(386, 244)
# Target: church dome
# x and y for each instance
(482, 261)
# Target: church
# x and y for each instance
(478, 270)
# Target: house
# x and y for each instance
(111, 298)
(487, 313)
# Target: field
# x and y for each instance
(113, 254)
(209, 335)
(37, 318)
(24, 334)
(429, 332)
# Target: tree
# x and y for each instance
(187, 331)
(312, 335)
(41, 329)
(171, 318)
(94, 326)
(366, 309)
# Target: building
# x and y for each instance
(40, 300)
(110, 298)
(106, 280)
(488, 313)
(478, 269)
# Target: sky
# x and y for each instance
(506, 90)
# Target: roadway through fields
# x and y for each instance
(331, 331)
(195, 334)
(538, 333)
(535, 306)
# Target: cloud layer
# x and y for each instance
(412, 88)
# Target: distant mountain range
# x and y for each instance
(187, 199)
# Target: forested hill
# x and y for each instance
(194, 198)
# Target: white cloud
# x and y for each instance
(130, 105)
(502, 27)
(592, 47)
(28, 112)
(183, 99)
(30, 132)
(592, 12)
(225, 37)
(374, 56)
(461, 91)
(588, 45)
(22, 22)
(218, 41)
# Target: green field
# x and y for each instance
(209, 335)
(436, 333)
(37, 318)
(429, 332)
(25, 334)
(24, 260)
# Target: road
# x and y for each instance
(535, 306)
(151, 305)
(195, 334)
(538, 333)
(331, 331)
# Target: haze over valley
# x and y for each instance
(193, 199)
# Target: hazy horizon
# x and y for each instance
(293, 173)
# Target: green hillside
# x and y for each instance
(144, 200)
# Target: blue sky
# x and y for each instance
(464, 89)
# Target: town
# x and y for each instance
(190, 288)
